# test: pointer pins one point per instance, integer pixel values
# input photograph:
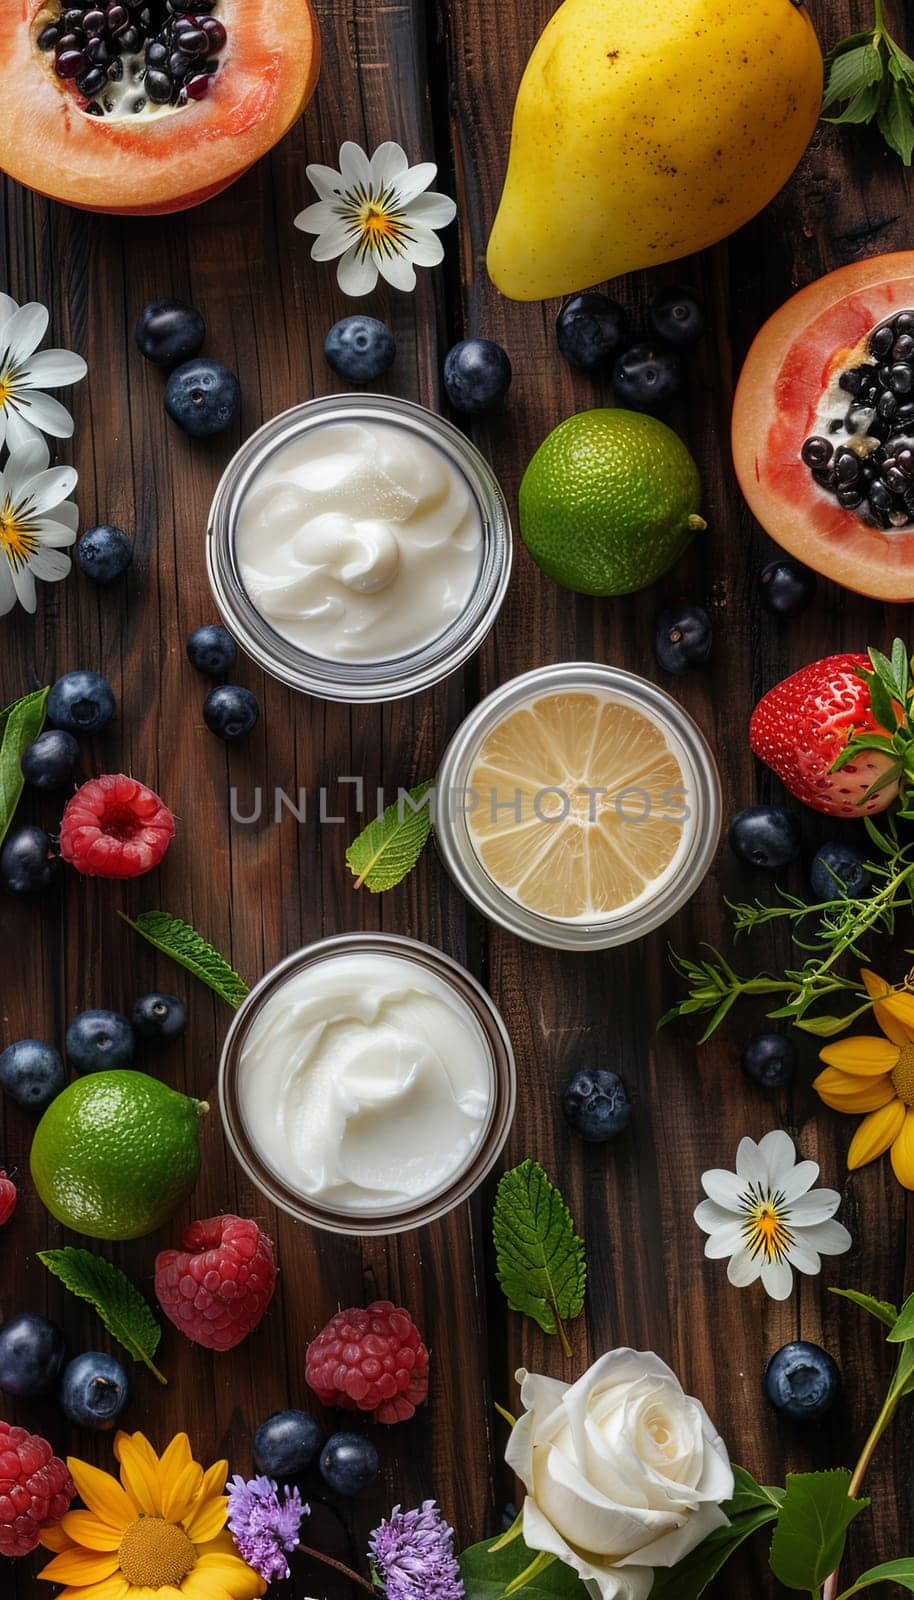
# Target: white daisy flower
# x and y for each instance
(37, 523)
(768, 1218)
(25, 371)
(374, 215)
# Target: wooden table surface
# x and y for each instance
(442, 81)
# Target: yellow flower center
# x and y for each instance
(381, 229)
(766, 1232)
(903, 1075)
(154, 1553)
(6, 387)
(17, 541)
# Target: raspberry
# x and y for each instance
(114, 827)
(218, 1287)
(372, 1360)
(7, 1197)
(35, 1489)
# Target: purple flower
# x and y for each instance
(413, 1555)
(262, 1526)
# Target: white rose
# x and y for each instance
(624, 1471)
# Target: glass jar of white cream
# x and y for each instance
(359, 547)
(367, 1084)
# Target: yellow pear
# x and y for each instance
(647, 129)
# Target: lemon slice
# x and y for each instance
(577, 805)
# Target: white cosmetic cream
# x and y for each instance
(365, 1082)
(359, 541)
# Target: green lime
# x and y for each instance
(609, 501)
(116, 1153)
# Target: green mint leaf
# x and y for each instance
(812, 1528)
(896, 121)
(540, 1260)
(120, 1306)
(882, 1310)
(903, 1328)
(861, 109)
(384, 852)
(852, 71)
(191, 951)
(487, 1573)
(900, 1572)
(20, 724)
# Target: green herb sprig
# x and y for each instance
(388, 848)
(874, 79)
(539, 1258)
(195, 954)
(121, 1307)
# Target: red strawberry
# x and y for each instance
(800, 727)
(7, 1197)
(218, 1287)
(114, 827)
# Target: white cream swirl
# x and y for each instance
(359, 541)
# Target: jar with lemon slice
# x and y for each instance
(578, 806)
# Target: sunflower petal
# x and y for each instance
(91, 1532)
(138, 1475)
(903, 1153)
(845, 1093)
(55, 1538)
(864, 1056)
(180, 1494)
(893, 1011)
(116, 1588)
(81, 1566)
(102, 1493)
(241, 1581)
(874, 1135)
(207, 1518)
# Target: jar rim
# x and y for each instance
(485, 1152)
(463, 863)
(358, 681)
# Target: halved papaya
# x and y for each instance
(823, 426)
(149, 106)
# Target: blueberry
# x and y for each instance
(769, 1059)
(647, 378)
(32, 1352)
(596, 1104)
(81, 702)
(591, 329)
(50, 761)
(765, 836)
(787, 587)
(104, 553)
(27, 861)
(839, 872)
(159, 1016)
(677, 316)
(93, 1390)
(230, 711)
(169, 331)
(682, 637)
(211, 650)
(802, 1381)
(349, 1463)
(359, 349)
(98, 1041)
(202, 397)
(32, 1073)
(477, 375)
(286, 1444)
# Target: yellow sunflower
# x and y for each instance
(876, 1075)
(159, 1534)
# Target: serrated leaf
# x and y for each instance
(896, 123)
(189, 948)
(903, 1327)
(852, 71)
(900, 1572)
(812, 1528)
(120, 1306)
(882, 1310)
(384, 852)
(540, 1260)
(486, 1573)
(20, 724)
